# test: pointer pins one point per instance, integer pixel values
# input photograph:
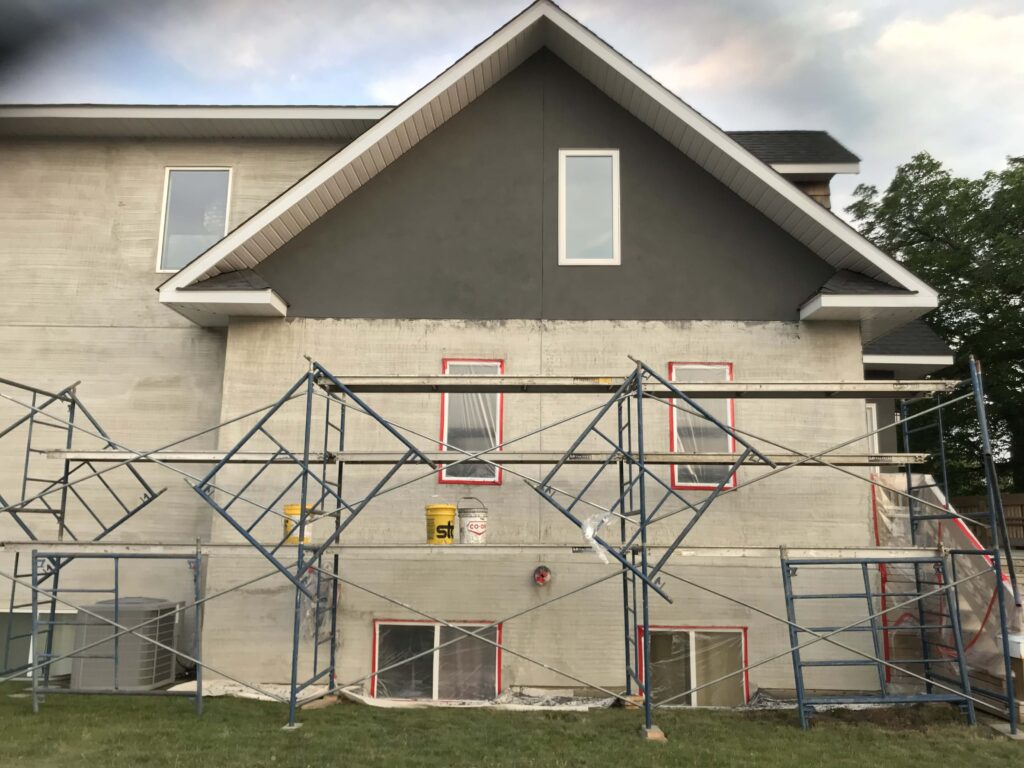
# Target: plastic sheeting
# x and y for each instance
(682, 659)
(694, 434)
(978, 599)
(471, 422)
(464, 670)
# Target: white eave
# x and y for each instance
(878, 313)
(544, 24)
(908, 366)
(815, 169)
(214, 307)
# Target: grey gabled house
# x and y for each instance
(542, 207)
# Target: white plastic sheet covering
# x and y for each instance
(979, 609)
(682, 659)
(695, 434)
(464, 670)
(471, 421)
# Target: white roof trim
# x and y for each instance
(188, 112)
(939, 360)
(543, 23)
(210, 307)
(815, 169)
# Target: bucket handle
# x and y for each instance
(473, 498)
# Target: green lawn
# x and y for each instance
(107, 732)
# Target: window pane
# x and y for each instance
(589, 214)
(471, 422)
(467, 669)
(414, 679)
(694, 434)
(670, 667)
(195, 217)
(718, 654)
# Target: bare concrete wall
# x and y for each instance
(800, 507)
(79, 227)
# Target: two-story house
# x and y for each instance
(541, 208)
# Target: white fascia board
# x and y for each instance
(894, 360)
(717, 137)
(828, 306)
(815, 169)
(263, 303)
(174, 112)
(197, 268)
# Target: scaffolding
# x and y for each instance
(644, 499)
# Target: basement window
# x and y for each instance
(684, 658)
(413, 664)
(195, 214)
(471, 421)
(689, 433)
(588, 207)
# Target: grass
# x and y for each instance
(125, 731)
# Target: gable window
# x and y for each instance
(689, 433)
(195, 214)
(684, 658)
(471, 421)
(588, 207)
(414, 665)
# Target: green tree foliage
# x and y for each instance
(965, 237)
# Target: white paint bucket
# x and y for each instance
(473, 523)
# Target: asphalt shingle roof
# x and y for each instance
(775, 147)
(914, 338)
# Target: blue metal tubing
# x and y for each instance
(644, 594)
(601, 468)
(370, 411)
(359, 508)
(869, 560)
(696, 518)
(697, 407)
(253, 479)
(608, 547)
(297, 460)
(621, 425)
(208, 477)
(794, 644)
(626, 383)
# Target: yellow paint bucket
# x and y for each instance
(440, 523)
(291, 523)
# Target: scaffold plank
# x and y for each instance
(498, 457)
(458, 550)
(610, 384)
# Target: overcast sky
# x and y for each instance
(886, 77)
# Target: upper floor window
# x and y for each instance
(692, 433)
(195, 214)
(471, 422)
(588, 207)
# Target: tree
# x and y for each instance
(965, 237)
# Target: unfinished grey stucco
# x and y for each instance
(466, 225)
(804, 506)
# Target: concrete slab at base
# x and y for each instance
(321, 703)
(654, 733)
(291, 727)
(1004, 728)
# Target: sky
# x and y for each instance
(888, 78)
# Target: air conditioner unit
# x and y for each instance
(141, 665)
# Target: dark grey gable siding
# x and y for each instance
(465, 226)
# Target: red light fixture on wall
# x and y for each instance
(541, 575)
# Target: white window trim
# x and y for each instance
(443, 474)
(674, 415)
(871, 417)
(616, 259)
(163, 208)
(436, 660)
